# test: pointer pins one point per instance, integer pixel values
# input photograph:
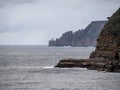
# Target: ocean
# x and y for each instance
(31, 67)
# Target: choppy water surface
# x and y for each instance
(31, 68)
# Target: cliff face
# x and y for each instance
(108, 42)
(85, 37)
(106, 57)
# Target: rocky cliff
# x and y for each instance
(108, 41)
(106, 57)
(85, 37)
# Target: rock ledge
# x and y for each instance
(92, 64)
(106, 56)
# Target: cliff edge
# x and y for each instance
(86, 37)
(108, 41)
(106, 57)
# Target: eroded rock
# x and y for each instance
(106, 57)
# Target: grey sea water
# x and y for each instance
(31, 68)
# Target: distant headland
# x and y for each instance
(106, 57)
(86, 37)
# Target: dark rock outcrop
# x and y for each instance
(106, 57)
(73, 63)
(85, 37)
(108, 42)
(92, 64)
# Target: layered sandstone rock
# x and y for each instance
(92, 64)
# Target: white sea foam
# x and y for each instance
(48, 67)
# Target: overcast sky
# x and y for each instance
(34, 22)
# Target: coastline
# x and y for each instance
(92, 64)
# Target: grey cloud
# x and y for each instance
(9, 29)
(46, 19)
(4, 3)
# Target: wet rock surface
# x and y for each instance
(92, 64)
